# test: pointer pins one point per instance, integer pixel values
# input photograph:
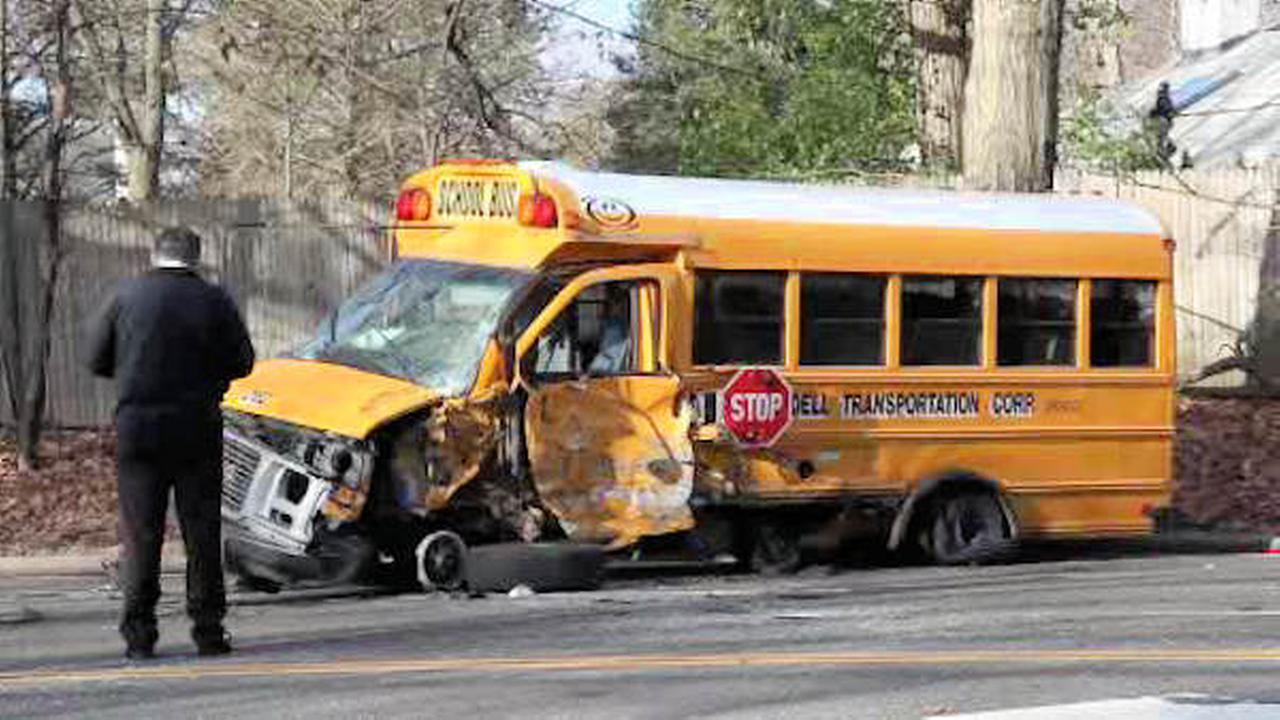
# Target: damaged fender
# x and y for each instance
(611, 457)
(439, 453)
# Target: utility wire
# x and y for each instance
(637, 38)
(1227, 111)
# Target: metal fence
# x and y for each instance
(287, 264)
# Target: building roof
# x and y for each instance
(844, 205)
(1228, 101)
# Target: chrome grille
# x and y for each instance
(239, 464)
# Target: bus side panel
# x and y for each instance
(1074, 454)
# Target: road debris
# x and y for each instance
(14, 614)
(521, 591)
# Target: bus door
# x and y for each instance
(606, 432)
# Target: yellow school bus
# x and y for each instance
(550, 356)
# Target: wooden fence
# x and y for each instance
(1226, 223)
(286, 264)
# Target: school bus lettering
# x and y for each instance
(910, 405)
(477, 198)
(810, 406)
(1016, 405)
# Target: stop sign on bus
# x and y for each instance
(756, 406)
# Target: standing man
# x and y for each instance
(173, 343)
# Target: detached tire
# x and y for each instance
(542, 567)
(441, 562)
(966, 528)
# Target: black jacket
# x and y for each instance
(172, 341)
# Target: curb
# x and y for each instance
(77, 565)
(97, 563)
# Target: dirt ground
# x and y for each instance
(1228, 463)
(1227, 467)
(68, 504)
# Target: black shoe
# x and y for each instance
(140, 652)
(215, 645)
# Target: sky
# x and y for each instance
(610, 12)
(579, 49)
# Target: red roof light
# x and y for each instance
(413, 205)
(538, 210)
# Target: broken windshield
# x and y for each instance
(422, 321)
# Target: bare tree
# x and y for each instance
(30, 265)
(8, 277)
(941, 40)
(106, 32)
(1011, 96)
(7, 178)
(350, 97)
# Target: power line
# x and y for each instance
(1228, 111)
(1189, 190)
(637, 38)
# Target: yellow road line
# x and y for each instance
(634, 663)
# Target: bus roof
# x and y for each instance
(651, 196)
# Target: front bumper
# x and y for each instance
(268, 499)
(274, 522)
(245, 557)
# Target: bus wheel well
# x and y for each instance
(944, 485)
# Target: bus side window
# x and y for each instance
(941, 320)
(1123, 314)
(1036, 322)
(842, 319)
(739, 318)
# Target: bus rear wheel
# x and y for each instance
(966, 528)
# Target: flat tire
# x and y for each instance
(966, 528)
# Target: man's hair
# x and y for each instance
(176, 247)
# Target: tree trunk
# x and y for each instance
(357, 97)
(144, 158)
(8, 179)
(34, 333)
(1010, 120)
(11, 357)
(140, 173)
(1266, 323)
(8, 265)
(940, 35)
(1051, 27)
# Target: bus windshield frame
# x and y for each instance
(424, 321)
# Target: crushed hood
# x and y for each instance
(324, 396)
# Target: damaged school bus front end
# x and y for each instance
(379, 418)
(435, 398)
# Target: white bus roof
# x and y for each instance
(652, 195)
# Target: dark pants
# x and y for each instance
(163, 449)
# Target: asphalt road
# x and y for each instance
(870, 643)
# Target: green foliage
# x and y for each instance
(1100, 16)
(766, 87)
(1098, 135)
